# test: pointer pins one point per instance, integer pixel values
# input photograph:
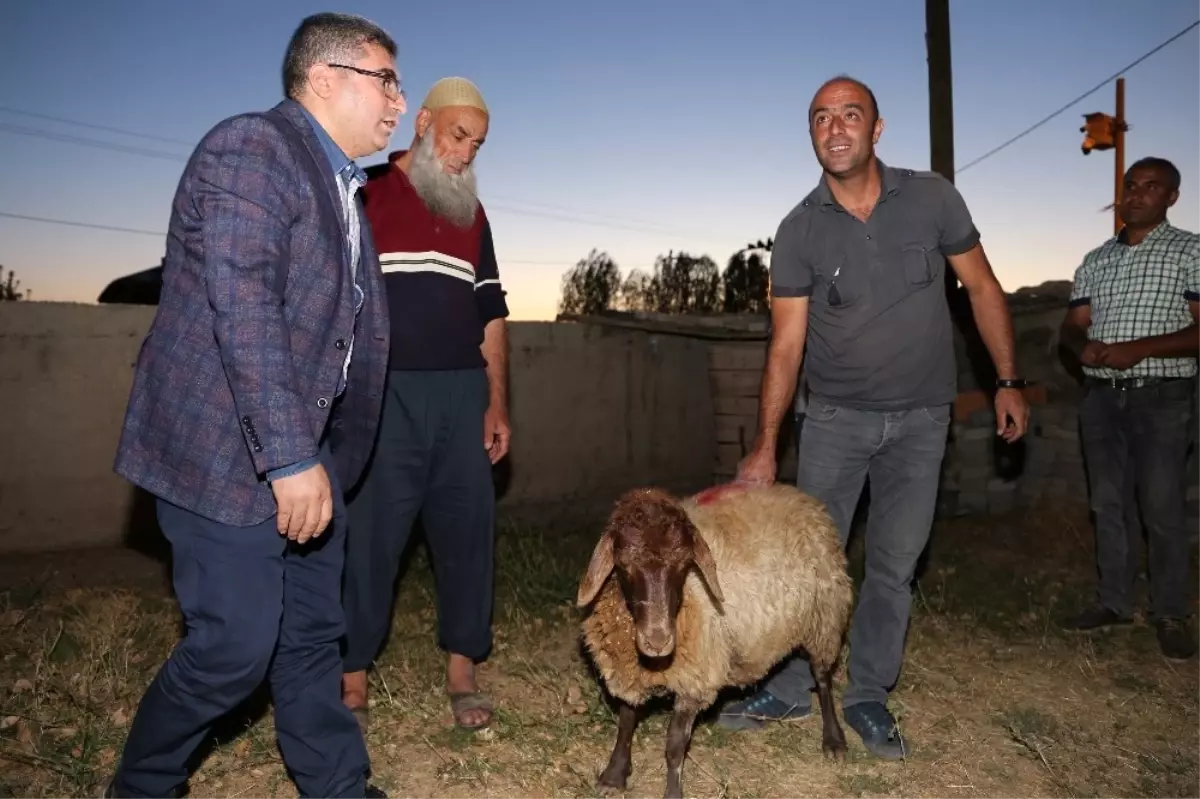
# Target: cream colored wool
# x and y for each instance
(783, 574)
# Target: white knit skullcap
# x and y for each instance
(454, 92)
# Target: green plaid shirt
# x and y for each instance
(1141, 291)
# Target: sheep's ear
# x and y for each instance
(597, 571)
(707, 566)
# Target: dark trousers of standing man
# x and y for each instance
(1141, 432)
(902, 453)
(430, 460)
(256, 606)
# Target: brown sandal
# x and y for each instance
(462, 701)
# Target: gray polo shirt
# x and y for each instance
(879, 330)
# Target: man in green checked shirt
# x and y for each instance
(1132, 323)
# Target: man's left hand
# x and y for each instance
(1012, 414)
(1123, 355)
(496, 432)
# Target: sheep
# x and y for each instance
(770, 577)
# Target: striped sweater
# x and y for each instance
(443, 283)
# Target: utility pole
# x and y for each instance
(941, 105)
(1119, 152)
(941, 88)
(1104, 132)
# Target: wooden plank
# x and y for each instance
(734, 429)
(786, 471)
(736, 406)
(728, 456)
(735, 382)
(680, 326)
(968, 402)
(720, 476)
(737, 356)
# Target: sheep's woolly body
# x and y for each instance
(783, 574)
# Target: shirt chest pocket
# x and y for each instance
(920, 265)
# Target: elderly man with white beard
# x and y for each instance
(445, 410)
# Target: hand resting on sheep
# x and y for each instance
(769, 578)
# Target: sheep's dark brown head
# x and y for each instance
(651, 544)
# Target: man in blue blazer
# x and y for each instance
(255, 403)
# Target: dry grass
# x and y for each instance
(995, 700)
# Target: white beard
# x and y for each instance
(451, 196)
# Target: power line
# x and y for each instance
(620, 219)
(561, 214)
(570, 262)
(573, 217)
(158, 234)
(503, 203)
(72, 223)
(107, 129)
(1085, 95)
(86, 142)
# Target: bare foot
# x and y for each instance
(354, 689)
(354, 696)
(460, 681)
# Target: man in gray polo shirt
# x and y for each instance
(857, 275)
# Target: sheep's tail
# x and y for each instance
(829, 621)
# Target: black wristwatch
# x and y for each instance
(1012, 382)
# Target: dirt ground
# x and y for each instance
(994, 699)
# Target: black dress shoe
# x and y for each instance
(1174, 639)
(374, 792)
(1096, 617)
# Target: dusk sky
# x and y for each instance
(631, 127)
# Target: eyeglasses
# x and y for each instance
(387, 79)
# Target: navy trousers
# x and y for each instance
(429, 459)
(256, 606)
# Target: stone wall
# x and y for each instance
(981, 472)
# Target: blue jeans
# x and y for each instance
(256, 607)
(901, 452)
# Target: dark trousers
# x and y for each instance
(429, 460)
(1140, 434)
(256, 606)
(902, 453)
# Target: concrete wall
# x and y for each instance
(594, 412)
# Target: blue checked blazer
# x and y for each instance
(238, 373)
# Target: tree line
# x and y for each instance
(679, 283)
(9, 289)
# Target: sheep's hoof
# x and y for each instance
(834, 750)
(612, 781)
